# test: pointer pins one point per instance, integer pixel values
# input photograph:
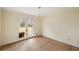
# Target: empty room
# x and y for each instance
(39, 29)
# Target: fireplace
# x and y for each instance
(21, 34)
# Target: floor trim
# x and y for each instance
(19, 41)
(62, 42)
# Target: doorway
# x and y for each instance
(25, 28)
(30, 28)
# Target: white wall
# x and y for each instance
(0, 26)
(10, 25)
(37, 25)
(62, 26)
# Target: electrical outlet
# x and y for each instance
(36, 33)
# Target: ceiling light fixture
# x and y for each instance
(39, 12)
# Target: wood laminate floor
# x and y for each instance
(39, 43)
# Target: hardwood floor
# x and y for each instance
(39, 43)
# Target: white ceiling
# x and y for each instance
(43, 11)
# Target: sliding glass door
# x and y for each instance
(30, 28)
(25, 28)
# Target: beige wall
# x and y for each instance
(0, 26)
(62, 26)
